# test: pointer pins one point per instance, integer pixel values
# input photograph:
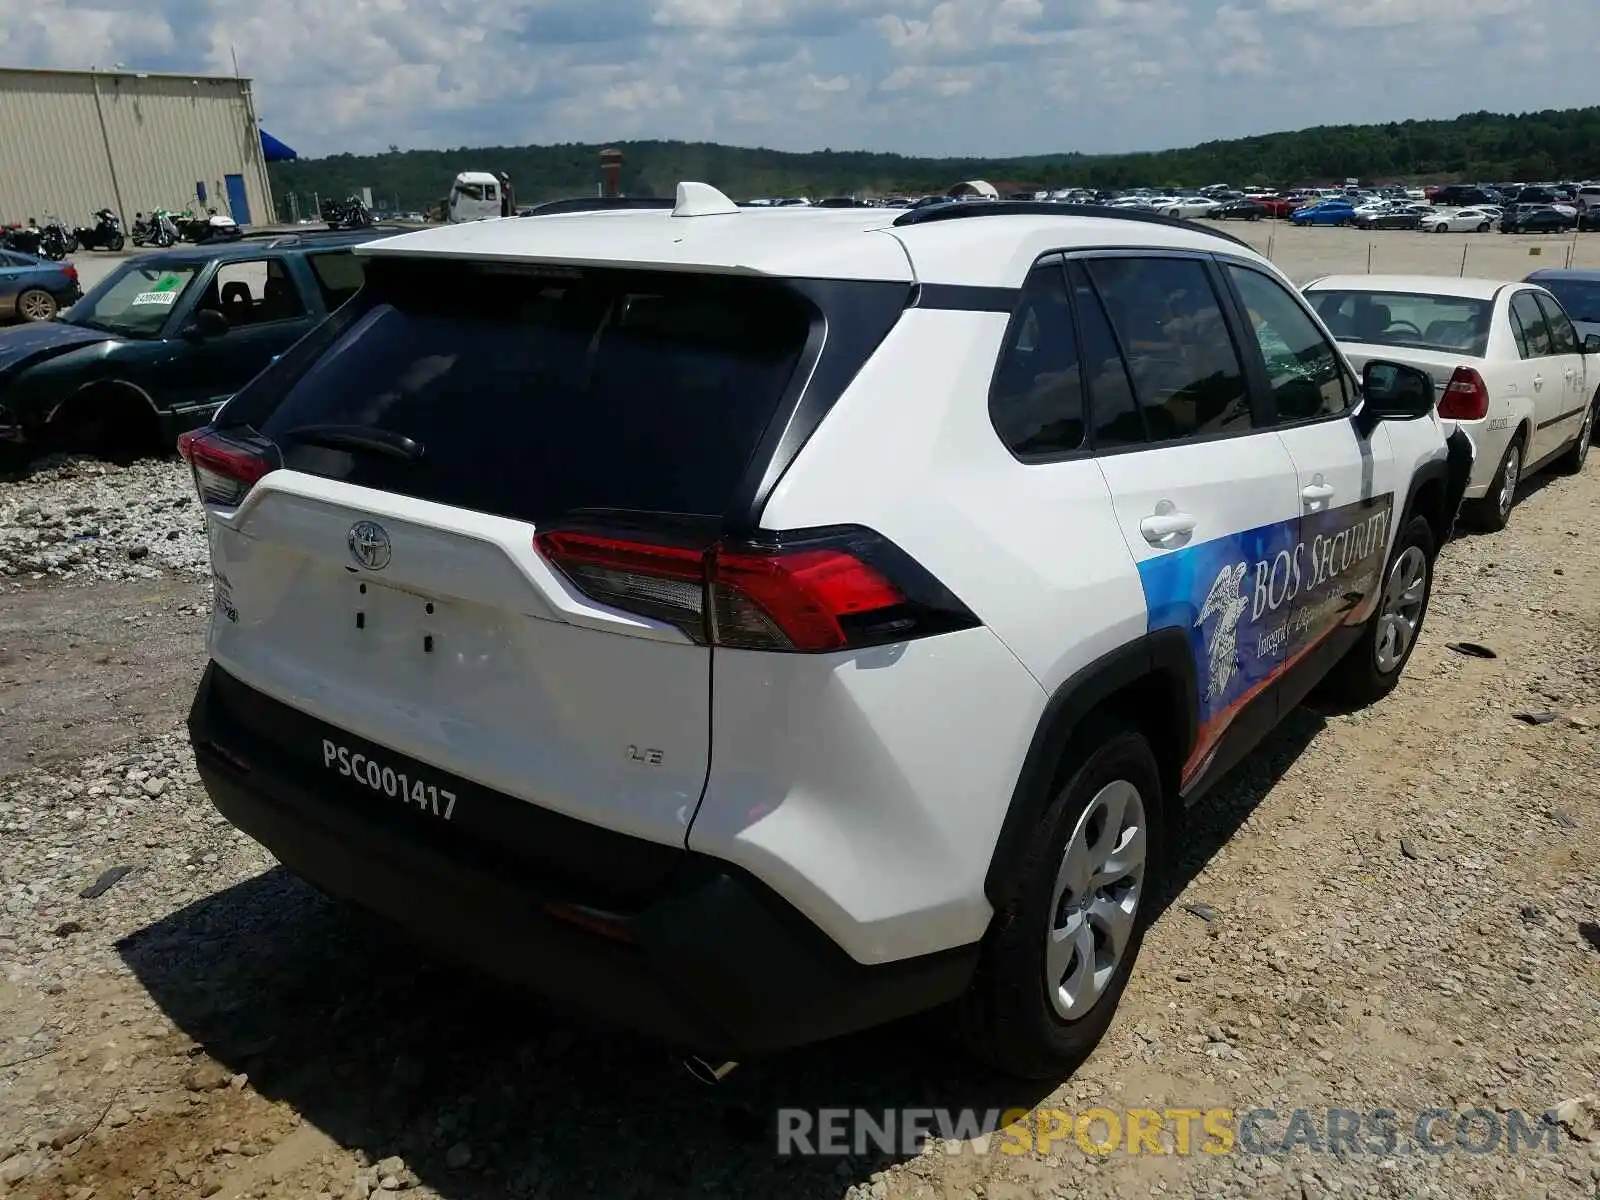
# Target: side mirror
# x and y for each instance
(205, 323)
(1396, 392)
(1591, 344)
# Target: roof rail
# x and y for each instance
(594, 204)
(1048, 208)
(281, 237)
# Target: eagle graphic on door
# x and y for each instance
(1227, 602)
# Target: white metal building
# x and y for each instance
(72, 142)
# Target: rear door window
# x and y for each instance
(1535, 340)
(1169, 325)
(537, 396)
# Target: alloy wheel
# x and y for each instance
(36, 305)
(1095, 901)
(1510, 475)
(1403, 595)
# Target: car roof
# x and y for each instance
(941, 244)
(1586, 274)
(1423, 285)
(257, 245)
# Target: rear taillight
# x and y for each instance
(830, 591)
(1466, 397)
(225, 468)
(70, 271)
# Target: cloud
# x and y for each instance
(956, 77)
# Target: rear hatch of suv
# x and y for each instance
(390, 510)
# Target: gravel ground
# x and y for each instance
(81, 520)
(1398, 908)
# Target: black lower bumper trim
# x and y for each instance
(717, 963)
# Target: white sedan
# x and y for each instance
(1507, 364)
(1186, 206)
(1461, 220)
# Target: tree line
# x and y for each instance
(1554, 144)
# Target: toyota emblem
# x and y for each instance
(369, 545)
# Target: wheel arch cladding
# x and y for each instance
(115, 393)
(1152, 683)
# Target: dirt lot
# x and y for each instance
(1396, 909)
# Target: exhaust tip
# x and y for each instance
(709, 1074)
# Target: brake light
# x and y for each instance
(225, 468)
(1466, 397)
(70, 271)
(834, 591)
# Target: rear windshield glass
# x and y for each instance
(1580, 297)
(535, 396)
(1415, 321)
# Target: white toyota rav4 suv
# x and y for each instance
(755, 625)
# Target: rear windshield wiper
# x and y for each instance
(359, 437)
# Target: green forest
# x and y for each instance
(1556, 144)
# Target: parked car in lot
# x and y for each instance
(571, 613)
(1579, 292)
(34, 288)
(1507, 364)
(1187, 206)
(1280, 206)
(1325, 212)
(1462, 220)
(1538, 218)
(162, 341)
(1392, 216)
(1240, 210)
(1457, 195)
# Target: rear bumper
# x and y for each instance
(715, 962)
(1487, 449)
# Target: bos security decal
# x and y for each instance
(1254, 603)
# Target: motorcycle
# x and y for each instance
(46, 241)
(346, 214)
(24, 239)
(155, 230)
(105, 234)
(213, 227)
(53, 241)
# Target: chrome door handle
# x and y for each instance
(1164, 527)
(1538, 382)
(1313, 492)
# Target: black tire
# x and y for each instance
(1493, 513)
(1363, 676)
(116, 243)
(1006, 1018)
(1573, 457)
(109, 422)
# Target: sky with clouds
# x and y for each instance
(936, 77)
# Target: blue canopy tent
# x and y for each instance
(274, 150)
